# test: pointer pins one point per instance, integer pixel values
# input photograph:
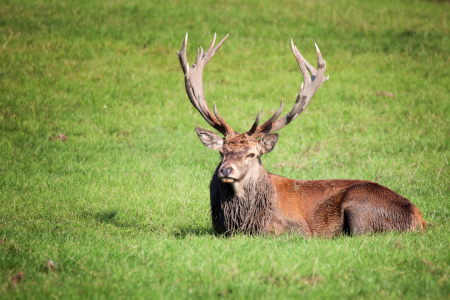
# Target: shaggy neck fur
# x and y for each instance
(246, 208)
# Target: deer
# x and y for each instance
(246, 198)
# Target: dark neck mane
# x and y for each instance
(249, 213)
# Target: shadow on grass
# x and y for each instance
(106, 217)
(110, 218)
(181, 232)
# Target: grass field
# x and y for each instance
(121, 208)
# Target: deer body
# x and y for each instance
(245, 197)
(276, 204)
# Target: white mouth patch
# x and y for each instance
(227, 180)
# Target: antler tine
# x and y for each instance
(255, 124)
(222, 121)
(267, 125)
(182, 55)
(301, 63)
(307, 91)
(194, 84)
(214, 41)
(321, 66)
(211, 51)
(257, 131)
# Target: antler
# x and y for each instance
(307, 91)
(193, 79)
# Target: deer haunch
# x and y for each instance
(245, 197)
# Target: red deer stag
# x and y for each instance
(245, 197)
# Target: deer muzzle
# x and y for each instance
(226, 174)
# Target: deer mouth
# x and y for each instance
(227, 180)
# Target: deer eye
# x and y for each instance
(251, 155)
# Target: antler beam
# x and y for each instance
(193, 79)
(307, 91)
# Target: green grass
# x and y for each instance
(122, 207)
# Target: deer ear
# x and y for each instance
(267, 142)
(209, 138)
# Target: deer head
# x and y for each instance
(241, 153)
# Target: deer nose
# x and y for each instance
(226, 171)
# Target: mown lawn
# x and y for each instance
(121, 208)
